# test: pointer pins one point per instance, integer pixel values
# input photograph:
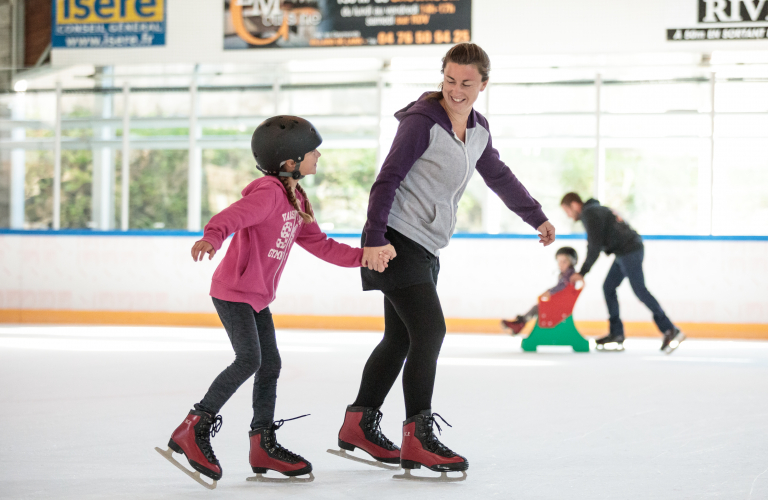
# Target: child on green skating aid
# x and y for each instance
(566, 262)
(273, 214)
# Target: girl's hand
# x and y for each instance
(374, 257)
(388, 251)
(200, 248)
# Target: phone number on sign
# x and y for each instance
(422, 37)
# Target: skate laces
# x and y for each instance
(276, 448)
(207, 430)
(430, 440)
(279, 423)
(374, 426)
(216, 425)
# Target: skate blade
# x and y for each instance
(602, 347)
(444, 477)
(675, 343)
(375, 463)
(261, 478)
(196, 476)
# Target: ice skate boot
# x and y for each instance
(516, 325)
(607, 343)
(362, 429)
(421, 447)
(193, 439)
(267, 454)
(672, 340)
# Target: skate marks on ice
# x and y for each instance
(375, 463)
(261, 478)
(443, 478)
(168, 454)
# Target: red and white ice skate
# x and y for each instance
(267, 454)
(193, 439)
(421, 447)
(362, 429)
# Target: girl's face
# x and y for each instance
(563, 262)
(308, 165)
(462, 85)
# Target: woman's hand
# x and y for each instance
(376, 258)
(576, 277)
(546, 233)
(200, 248)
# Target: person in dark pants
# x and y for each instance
(441, 141)
(607, 232)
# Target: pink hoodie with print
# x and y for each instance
(265, 225)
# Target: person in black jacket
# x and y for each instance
(607, 232)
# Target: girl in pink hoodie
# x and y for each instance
(273, 214)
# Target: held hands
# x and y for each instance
(377, 258)
(546, 233)
(200, 248)
(545, 296)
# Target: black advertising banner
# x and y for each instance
(253, 24)
(732, 11)
(719, 20)
(697, 35)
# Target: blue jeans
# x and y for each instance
(631, 266)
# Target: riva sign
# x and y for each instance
(719, 21)
(733, 11)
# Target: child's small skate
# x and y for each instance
(610, 343)
(267, 454)
(193, 439)
(516, 325)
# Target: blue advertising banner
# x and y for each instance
(108, 23)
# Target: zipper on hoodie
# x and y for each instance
(466, 173)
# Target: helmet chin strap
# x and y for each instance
(296, 174)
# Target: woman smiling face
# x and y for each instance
(462, 84)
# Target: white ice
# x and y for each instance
(83, 408)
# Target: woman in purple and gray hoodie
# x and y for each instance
(440, 142)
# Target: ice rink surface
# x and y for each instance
(84, 407)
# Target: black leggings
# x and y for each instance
(414, 328)
(253, 338)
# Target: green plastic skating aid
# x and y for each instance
(564, 333)
(555, 323)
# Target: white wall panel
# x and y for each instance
(695, 281)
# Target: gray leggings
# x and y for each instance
(253, 338)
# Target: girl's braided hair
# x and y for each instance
(307, 214)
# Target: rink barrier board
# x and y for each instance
(751, 331)
(480, 236)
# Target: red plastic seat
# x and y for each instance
(559, 306)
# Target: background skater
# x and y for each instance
(607, 232)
